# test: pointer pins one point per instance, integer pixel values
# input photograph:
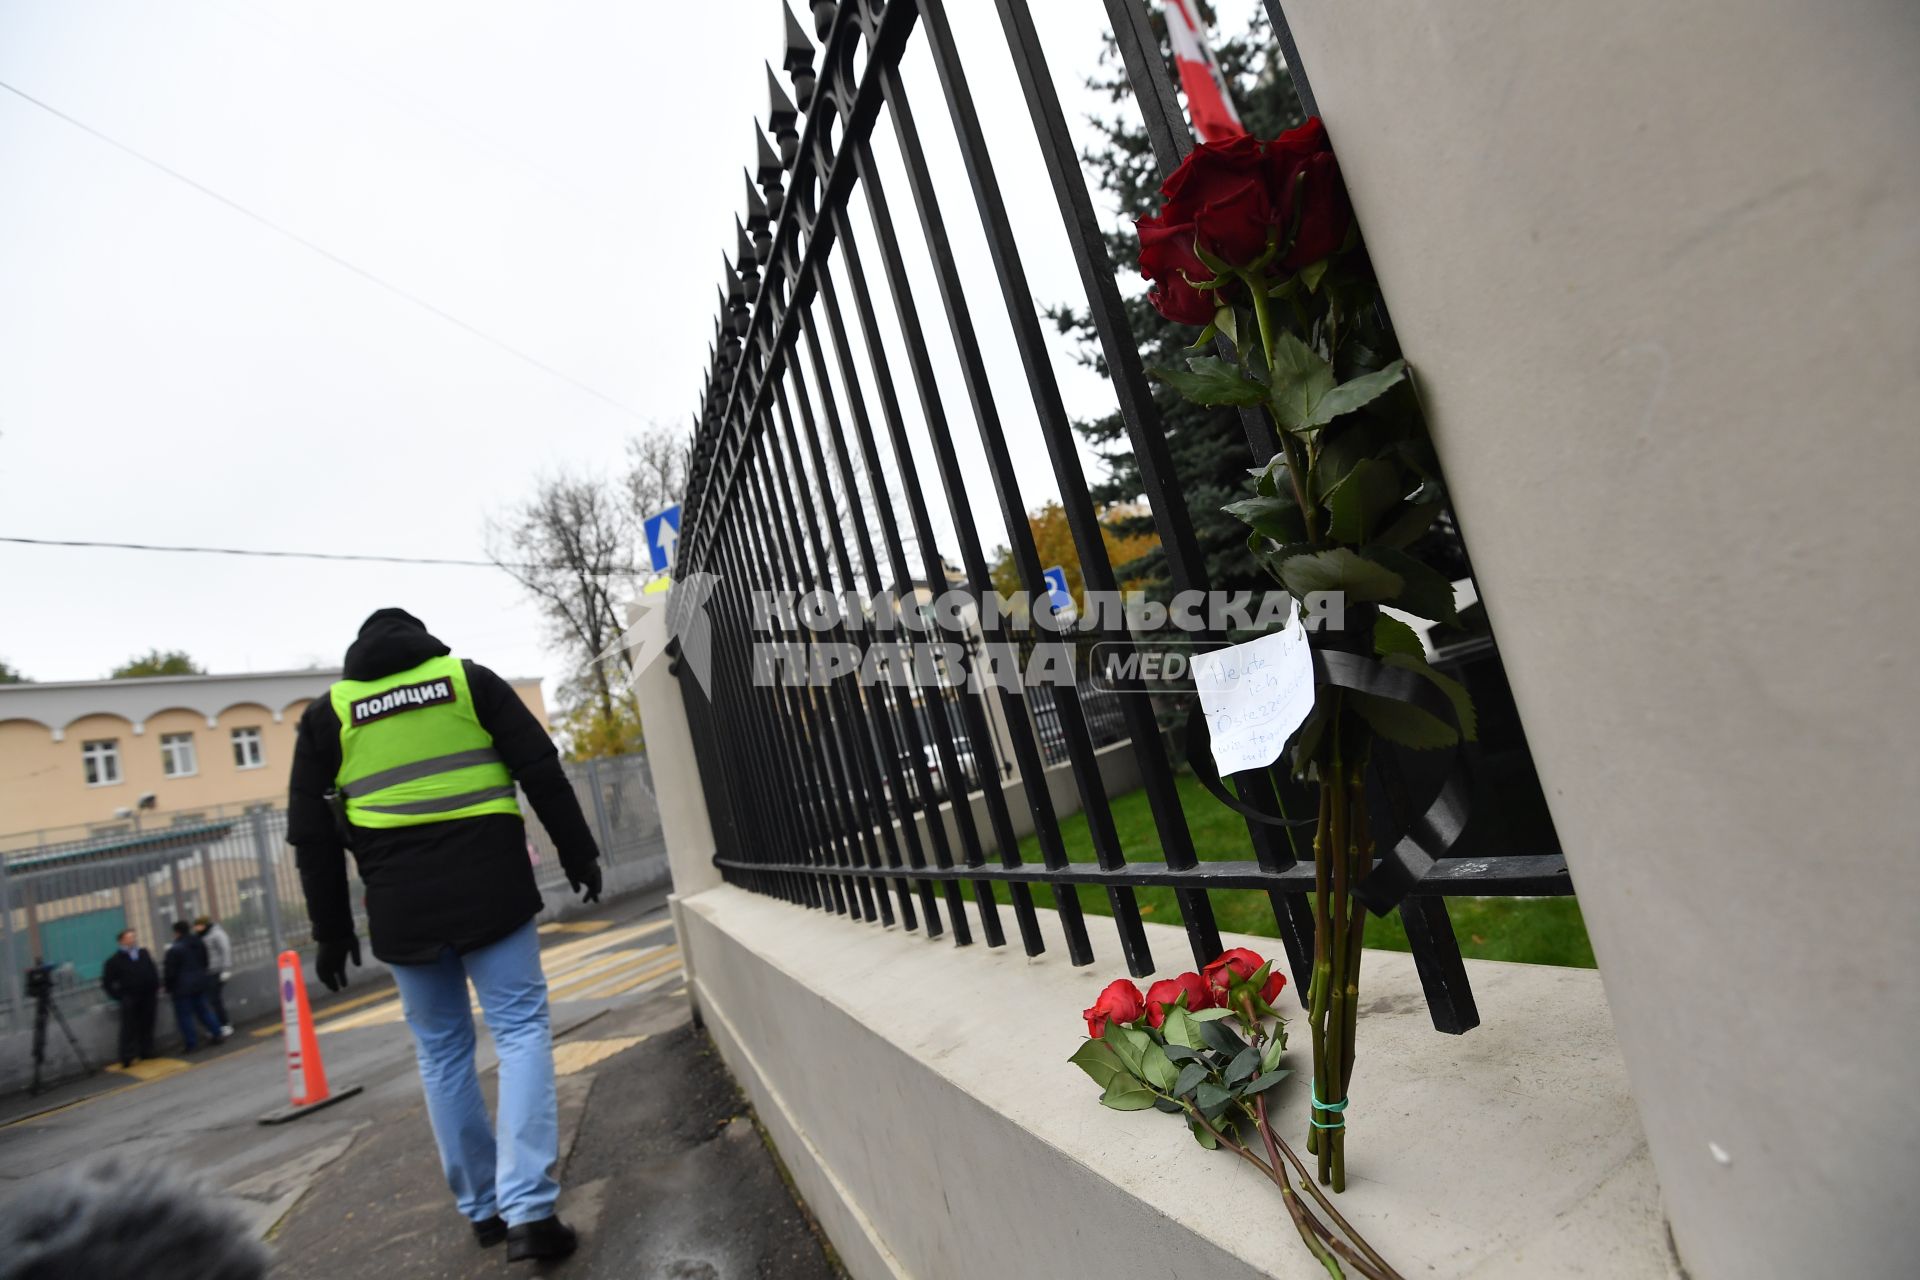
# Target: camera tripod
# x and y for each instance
(42, 1006)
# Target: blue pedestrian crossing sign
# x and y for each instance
(662, 532)
(1057, 593)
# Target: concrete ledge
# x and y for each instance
(922, 1099)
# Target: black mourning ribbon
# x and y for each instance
(1431, 832)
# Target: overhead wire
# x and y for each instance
(328, 254)
(302, 555)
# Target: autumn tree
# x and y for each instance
(155, 662)
(574, 545)
(1126, 542)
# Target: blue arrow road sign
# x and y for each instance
(1057, 588)
(662, 531)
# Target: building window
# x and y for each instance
(102, 761)
(248, 753)
(176, 755)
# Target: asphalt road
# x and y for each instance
(662, 1168)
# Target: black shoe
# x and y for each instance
(546, 1239)
(491, 1232)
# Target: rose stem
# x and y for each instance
(1296, 472)
(1337, 997)
(1306, 1180)
(1356, 934)
(1303, 1222)
(1322, 974)
(1278, 1173)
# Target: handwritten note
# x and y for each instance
(1255, 695)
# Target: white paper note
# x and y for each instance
(1255, 695)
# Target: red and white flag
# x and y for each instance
(1207, 100)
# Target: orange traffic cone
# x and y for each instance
(306, 1073)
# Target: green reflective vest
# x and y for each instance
(412, 750)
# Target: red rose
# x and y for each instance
(1162, 995)
(1120, 1002)
(1166, 251)
(1240, 964)
(1305, 181)
(1221, 189)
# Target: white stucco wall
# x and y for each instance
(1658, 269)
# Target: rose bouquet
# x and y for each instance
(1200, 1046)
(1256, 242)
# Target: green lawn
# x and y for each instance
(1531, 930)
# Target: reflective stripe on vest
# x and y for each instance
(413, 751)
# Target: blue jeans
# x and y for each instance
(188, 1008)
(513, 1176)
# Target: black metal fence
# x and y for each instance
(823, 792)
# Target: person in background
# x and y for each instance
(133, 982)
(219, 967)
(184, 976)
(413, 759)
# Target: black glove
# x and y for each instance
(330, 960)
(585, 881)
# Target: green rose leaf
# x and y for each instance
(1341, 569)
(1213, 381)
(1358, 393)
(1227, 321)
(1211, 1015)
(1211, 1099)
(1390, 635)
(1304, 396)
(1157, 1068)
(1203, 1136)
(1181, 1053)
(1311, 273)
(1276, 517)
(1300, 380)
(1129, 1046)
(1219, 1037)
(1190, 1077)
(1345, 444)
(1423, 590)
(1127, 1094)
(1244, 1064)
(1168, 1106)
(1407, 524)
(1270, 1054)
(1402, 722)
(1367, 492)
(1181, 1029)
(1098, 1061)
(1264, 1082)
(1455, 691)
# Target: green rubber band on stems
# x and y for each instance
(1327, 1106)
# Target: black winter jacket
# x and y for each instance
(462, 883)
(130, 977)
(186, 967)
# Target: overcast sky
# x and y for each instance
(408, 256)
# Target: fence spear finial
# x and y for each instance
(798, 63)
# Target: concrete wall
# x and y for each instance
(921, 1097)
(1656, 268)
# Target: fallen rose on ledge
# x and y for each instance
(1199, 1046)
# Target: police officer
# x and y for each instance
(413, 759)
